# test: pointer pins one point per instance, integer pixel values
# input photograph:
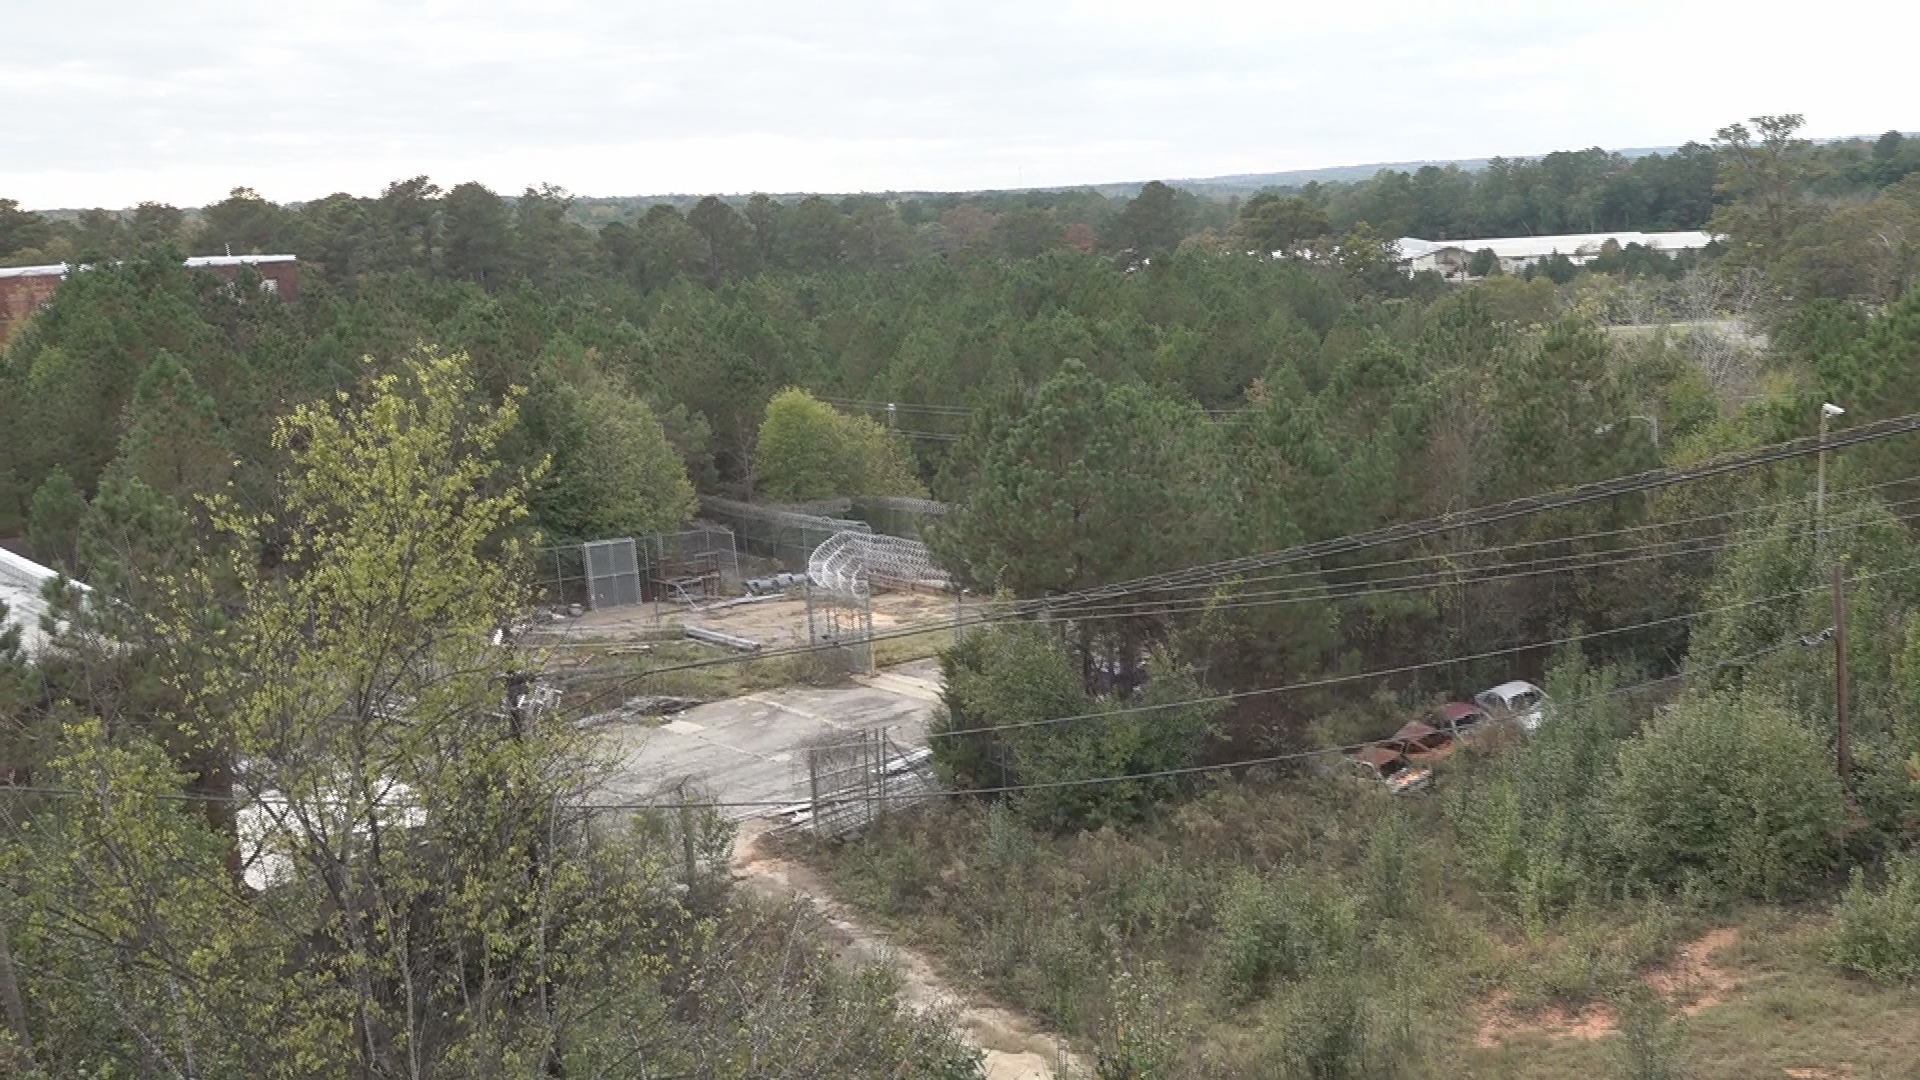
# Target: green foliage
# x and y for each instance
(1062, 489)
(428, 896)
(1332, 1028)
(1052, 736)
(1530, 824)
(1270, 224)
(1139, 1040)
(1649, 1043)
(53, 528)
(808, 450)
(175, 443)
(1733, 789)
(1876, 932)
(1287, 926)
(614, 472)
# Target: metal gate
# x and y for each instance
(613, 573)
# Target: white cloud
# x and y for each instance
(111, 103)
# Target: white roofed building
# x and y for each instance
(21, 584)
(1449, 258)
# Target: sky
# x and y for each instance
(110, 103)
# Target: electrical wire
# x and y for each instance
(1360, 590)
(1335, 680)
(725, 804)
(1464, 576)
(1319, 572)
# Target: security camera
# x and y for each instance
(1832, 410)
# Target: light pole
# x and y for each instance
(1828, 410)
(1653, 422)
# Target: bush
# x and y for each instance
(1530, 826)
(1389, 873)
(1649, 1045)
(1732, 789)
(615, 474)
(1020, 680)
(1876, 932)
(807, 450)
(1284, 927)
(1331, 1030)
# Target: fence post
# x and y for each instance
(813, 784)
(686, 836)
(880, 752)
(866, 625)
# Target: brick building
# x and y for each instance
(25, 289)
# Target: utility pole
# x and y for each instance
(1828, 411)
(1843, 751)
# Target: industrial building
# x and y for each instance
(22, 585)
(26, 289)
(1449, 258)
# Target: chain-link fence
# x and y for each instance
(847, 782)
(613, 573)
(698, 563)
(786, 534)
(686, 566)
(896, 515)
(560, 573)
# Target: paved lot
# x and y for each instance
(749, 748)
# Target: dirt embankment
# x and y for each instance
(1689, 983)
(1015, 1048)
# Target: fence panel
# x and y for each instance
(777, 532)
(613, 573)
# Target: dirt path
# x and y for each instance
(1015, 1048)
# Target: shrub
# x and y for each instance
(1331, 1029)
(1388, 869)
(1876, 932)
(1284, 927)
(1649, 1045)
(807, 450)
(1734, 789)
(1139, 1041)
(1529, 826)
(1020, 681)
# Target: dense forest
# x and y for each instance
(310, 517)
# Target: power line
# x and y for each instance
(1332, 593)
(1464, 553)
(1193, 769)
(1566, 498)
(726, 804)
(1334, 680)
(1461, 576)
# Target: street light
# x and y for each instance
(1652, 422)
(1828, 410)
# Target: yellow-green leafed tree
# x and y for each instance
(423, 893)
(808, 450)
(408, 796)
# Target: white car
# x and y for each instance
(1521, 702)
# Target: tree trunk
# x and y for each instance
(10, 999)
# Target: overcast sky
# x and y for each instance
(114, 103)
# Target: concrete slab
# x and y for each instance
(747, 749)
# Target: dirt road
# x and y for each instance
(1015, 1048)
